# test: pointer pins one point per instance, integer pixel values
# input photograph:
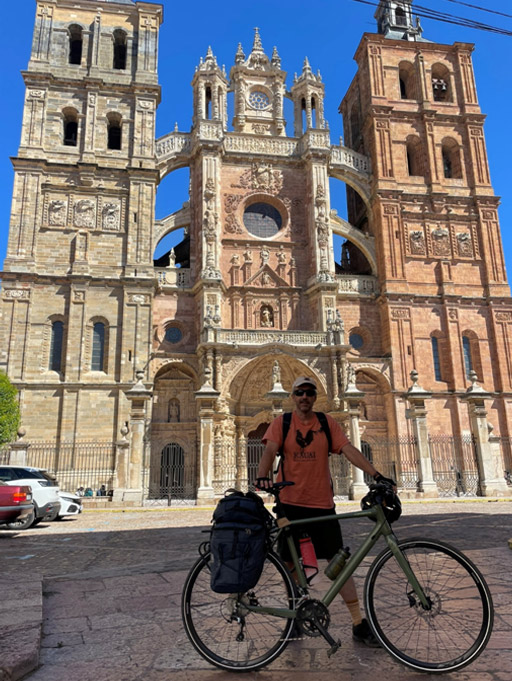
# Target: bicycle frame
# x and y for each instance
(381, 529)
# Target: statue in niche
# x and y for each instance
(173, 411)
(281, 255)
(172, 258)
(266, 316)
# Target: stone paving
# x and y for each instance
(112, 583)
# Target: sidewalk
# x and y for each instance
(112, 584)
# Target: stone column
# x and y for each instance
(417, 413)
(121, 475)
(241, 458)
(492, 482)
(138, 396)
(206, 398)
(353, 397)
(18, 450)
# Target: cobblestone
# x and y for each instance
(112, 585)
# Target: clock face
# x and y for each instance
(259, 100)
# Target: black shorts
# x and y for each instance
(326, 536)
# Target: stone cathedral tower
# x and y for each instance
(183, 361)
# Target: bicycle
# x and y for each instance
(426, 602)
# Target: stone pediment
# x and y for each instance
(265, 277)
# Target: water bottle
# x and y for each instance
(309, 561)
(337, 563)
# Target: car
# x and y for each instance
(45, 493)
(15, 502)
(70, 504)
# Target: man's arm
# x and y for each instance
(358, 459)
(267, 460)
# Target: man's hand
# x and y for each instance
(263, 483)
(378, 477)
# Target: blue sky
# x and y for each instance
(327, 31)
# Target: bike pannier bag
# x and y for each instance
(238, 543)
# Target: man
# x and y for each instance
(306, 463)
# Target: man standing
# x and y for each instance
(306, 464)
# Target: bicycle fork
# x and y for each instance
(401, 558)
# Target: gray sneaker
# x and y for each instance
(363, 634)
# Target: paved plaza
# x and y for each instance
(112, 580)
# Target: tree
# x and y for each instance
(9, 410)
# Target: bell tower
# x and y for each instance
(308, 100)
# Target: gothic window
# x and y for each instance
(435, 358)
(313, 112)
(98, 347)
(414, 156)
(262, 220)
(468, 360)
(114, 131)
(75, 44)
(119, 61)
(259, 100)
(452, 167)
(56, 346)
(70, 128)
(441, 83)
(406, 81)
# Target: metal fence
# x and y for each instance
(76, 464)
(454, 465)
(394, 458)
(506, 454)
(170, 477)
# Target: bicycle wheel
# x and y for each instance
(444, 638)
(223, 631)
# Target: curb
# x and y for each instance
(21, 619)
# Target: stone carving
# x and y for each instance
(17, 293)
(504, 316)
(265, 279)
(400, 313)
(57, 213)
(464, 245)
(210, 223)
(262, 177)
(264, 255)
(247, 255)
(441, 242)
(110, 216)
(320, 203)
(417, 241)
(281, 255)
(260, 128)
(235, 260)
(139, 298)
(276, 373)
(266, 316)
(173, 411)
(231, 203)
(84, 213)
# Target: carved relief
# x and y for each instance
(17, 293)
(390, 209)
(57, 213)
(400, 313)
(464, 245)
(264, 255)
(231, 203)
(453, 314)
(84, 213)
(504, 316)
(110, 216)
(417, 241)
(262, 177)
(440, 241)
(138, 298)
(261, 128)
(266, 316)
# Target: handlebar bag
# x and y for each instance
(239, 542)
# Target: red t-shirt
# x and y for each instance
(307, 464)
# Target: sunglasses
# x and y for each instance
(310, 392)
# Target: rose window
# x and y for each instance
(259, 100)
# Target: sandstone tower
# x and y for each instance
(177, 365)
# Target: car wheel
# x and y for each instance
(24, 523)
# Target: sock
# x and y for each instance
(355, 612)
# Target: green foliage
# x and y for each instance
(9, 410)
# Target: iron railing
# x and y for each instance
(454, 465)
(394, 458)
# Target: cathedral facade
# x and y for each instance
(181, 362)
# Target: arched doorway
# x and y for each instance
(173, 478)
(255, 449)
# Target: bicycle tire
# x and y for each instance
(207, 617)
(450, 635)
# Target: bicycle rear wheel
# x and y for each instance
(223, 631)
(444, 638)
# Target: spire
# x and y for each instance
(307, 73)
(258, 59)
(276, 59)
(239, 56)
(257, 46)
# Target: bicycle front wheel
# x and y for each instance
(224, 631)
(456, 628)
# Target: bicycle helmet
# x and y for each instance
(383, 495)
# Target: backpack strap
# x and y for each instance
(325, 427)
(287, 420)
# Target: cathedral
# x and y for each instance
(158, 377)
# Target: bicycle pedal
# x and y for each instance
(333, 649)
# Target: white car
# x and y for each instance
(70, 504)
(45, 493)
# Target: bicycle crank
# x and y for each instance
(313, 618)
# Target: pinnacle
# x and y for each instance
(257, 46)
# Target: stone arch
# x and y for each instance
(362, 241)
(377, 406)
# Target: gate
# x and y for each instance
(454, 465)
(396, 459)
(172, 478)
(255, 449)
(340, 475)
